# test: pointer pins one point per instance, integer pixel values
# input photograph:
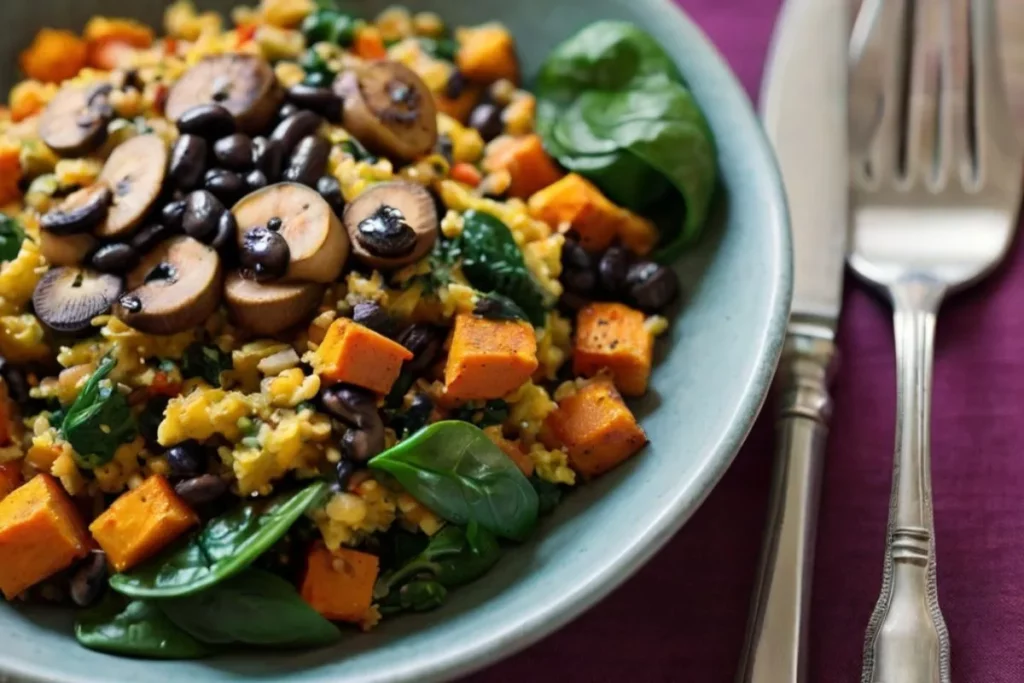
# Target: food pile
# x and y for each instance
(306, 319)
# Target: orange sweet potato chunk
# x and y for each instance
(528, 165)
(355, 354)
(41, 533)
(142, 522)
(487, 53)
(596, 427)
(488, 358)
(10, 478)
(54, 55)
(613, 336)
(339, 584)
(513, 449)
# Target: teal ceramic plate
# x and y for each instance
(714, 371)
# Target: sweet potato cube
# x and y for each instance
(489, 358)
(357, 355)
(614, 336)
(596, 427)
(487, 53)
(141, 523)
(41, 533)
(10, 478)
(529, 166)
(339, 584)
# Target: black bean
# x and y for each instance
(226, 185)
(330, 189)
(455, 85)
(205, 488)
(188, 161)
(90, 579)
(612, 269)
(373, 316)
(296, 127)
(172, 214)
(227, 229)
(234, 152)
(268, 157)
(264, 254)
(320, 100)
(202, 211)
(572, 302)
(308, 161)
(149, 236)
(424, 341)
(255, 180)
(486, 119)
(579, 281)
(14, 377)
(343, 472)
(446, 148)
(210, 121)
(575, 256)
(274, 223)
(652, 286)
(362, 444)
(385, 233)
(286, 110)
(118, 257)
(353, 405)
(186, 459)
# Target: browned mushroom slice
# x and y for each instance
(75, 120)
(317, 242)
(81, 211)
(134, 172)
(65, 250)
(175, 288)
(392, 224)
(243, 84)
(67, 299)
(269, 308)
(389, 109)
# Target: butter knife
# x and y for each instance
(804, 110)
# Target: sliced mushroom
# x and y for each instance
(174, 288)
(67, 299)
(269, 308)
(75, 120)
(389, 109)
(81, 211)
(391, 224)
(65, 250)
(135, 174)
(243, 84)
(317, 242)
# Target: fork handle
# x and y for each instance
(906, 640)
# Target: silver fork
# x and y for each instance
(936, 185)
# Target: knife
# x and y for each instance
(804, 110)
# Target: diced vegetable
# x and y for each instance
(10, 478)
(487, 53)
(12, 236)
(127, 31)
(466, 173)
(10, 170)
(597, 428)
(41, 533)
(512, 449)
(141, 523)
(369, 44)
(54, 56)
(339, 584)
(110, 54)
(99, 420)
(613, 336)
(489, 358)
(458, 107)
(529, 166)
(578, 202)
(357, 355)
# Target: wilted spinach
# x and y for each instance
(612, 106)
(491, 413)
(223, 548)
(456, 471)
(99, 420)
(206, 362)
(12, 235)
(548, 493)
(136, 629)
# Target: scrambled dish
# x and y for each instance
(306, 318)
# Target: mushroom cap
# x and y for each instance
(245, 85)
(134, 172)
(416, 205)
(269, 308)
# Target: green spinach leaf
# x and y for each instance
(613, 107)
(419, 595)
(206, 362)
(99, 420)
(136, 629)
(549, 494)
(456, 471)
(12, 235)
(493, 262)
(223, 548)
(252, 608)
(442, 260)
(491, 413)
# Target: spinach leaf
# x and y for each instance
(493, 262)
(613, 107)
(442, 260)
(11, 237)
(136, 629)
(549, 494)
(223, 548)
(419, 595)
(253, 608)
(439, 48)
(494, 306)
(206, 362)
(491, 413)
(99, 420)
(456, 471)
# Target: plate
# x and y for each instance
(712, 373)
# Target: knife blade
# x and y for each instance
(804, 110)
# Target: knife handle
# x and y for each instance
(776, 650)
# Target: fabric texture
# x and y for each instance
(683, 617)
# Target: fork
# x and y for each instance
(936, 181)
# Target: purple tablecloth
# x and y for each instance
(682, 618)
